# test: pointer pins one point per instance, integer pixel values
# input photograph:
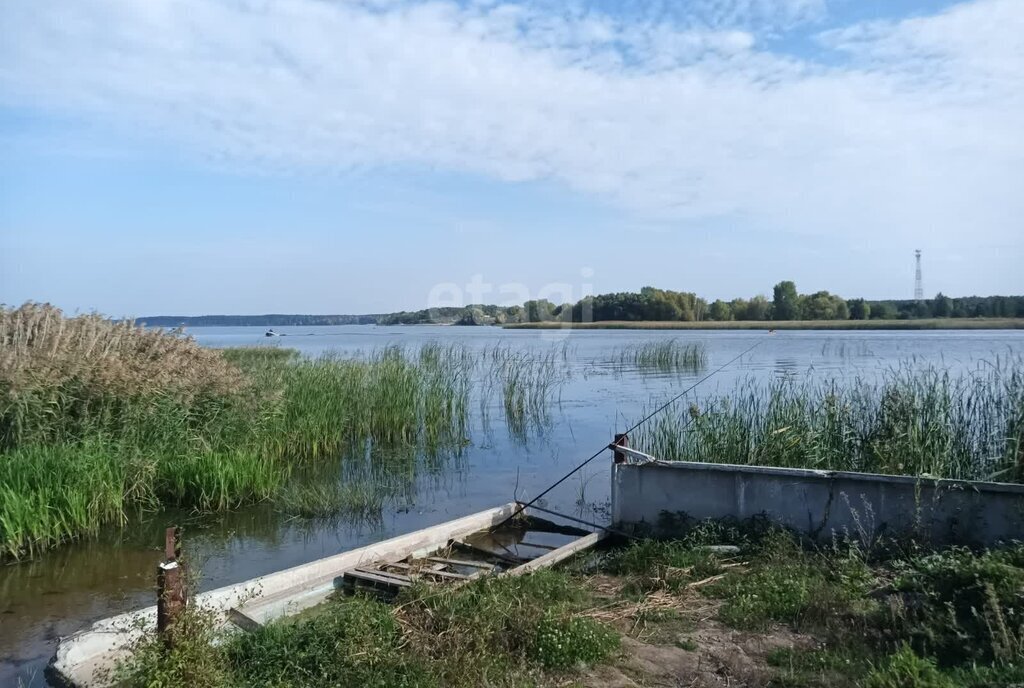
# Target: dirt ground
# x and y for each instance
(675, 643)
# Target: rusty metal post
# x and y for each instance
(621, 440)
(172, 595)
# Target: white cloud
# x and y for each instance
(917, 133)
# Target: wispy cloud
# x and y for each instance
(677, 116)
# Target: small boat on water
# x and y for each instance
(271, 333)
(504, 541)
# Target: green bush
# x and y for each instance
(561, 643)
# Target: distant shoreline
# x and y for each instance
(920, 324)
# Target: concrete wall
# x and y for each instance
(820, 503)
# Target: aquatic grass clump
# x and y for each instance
(910, 421)
(51, 494)
(665, 356)
(214, 480)
(392, 398)
(528, 382)
(357, 501)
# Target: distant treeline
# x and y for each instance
(662, 305)
(651, 304)
(270, 320)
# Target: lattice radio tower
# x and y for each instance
(918, 287)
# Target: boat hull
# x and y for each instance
(87, 657)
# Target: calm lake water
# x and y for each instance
(65, 590)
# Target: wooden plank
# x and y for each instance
(429, 572)
(387, 574)
(376, 578)
(242, 621)
(559, 554)
(463, 562)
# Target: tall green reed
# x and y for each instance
(910, 421)
(664, 356)
(528, 382)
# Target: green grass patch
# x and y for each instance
(841, 667)
(904, 669)
(653, 564)
(355, 643)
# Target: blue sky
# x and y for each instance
(338, 156)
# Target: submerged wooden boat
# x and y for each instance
(447, 554)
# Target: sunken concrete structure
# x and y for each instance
(820, 504)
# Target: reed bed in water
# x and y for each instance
(911, 421)
(665, 356)
(98, 418)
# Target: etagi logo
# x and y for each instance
(520, 303)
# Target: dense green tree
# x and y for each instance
(786, 301)
(738, 308)
(720, 310)
(859, 309)
(759, 309)
(916, 309)
(942, 306)
(564, 313)
(540, 310)
(883, 310)
(824, 306)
